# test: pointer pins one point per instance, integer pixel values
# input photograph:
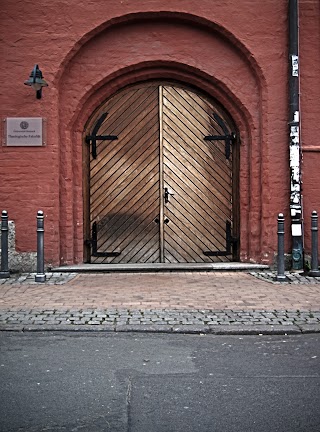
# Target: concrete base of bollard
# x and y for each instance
(281, 278)
(40, 278)
(314, 273)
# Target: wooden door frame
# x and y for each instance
(86, 199)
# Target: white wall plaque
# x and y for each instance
(23, 131)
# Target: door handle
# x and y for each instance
(167, 193)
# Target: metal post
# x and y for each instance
(314, 245)
(280, 274)
(4, 273)
(40, 276)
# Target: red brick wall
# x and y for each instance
(234, 50)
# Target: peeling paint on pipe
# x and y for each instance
(294, 138)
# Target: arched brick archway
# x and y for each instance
(127, 53)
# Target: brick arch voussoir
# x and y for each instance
(167, 16)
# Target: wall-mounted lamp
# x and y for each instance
(36, 81)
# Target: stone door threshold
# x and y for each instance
(159, 267)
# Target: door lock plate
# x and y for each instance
(167, 194)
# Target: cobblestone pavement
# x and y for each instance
(292, 278)
(162, 320)
(197, 302)
(28, 278)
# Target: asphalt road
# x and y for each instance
(159, 382)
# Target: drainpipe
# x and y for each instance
(294, 137)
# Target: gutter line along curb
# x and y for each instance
(178, 329)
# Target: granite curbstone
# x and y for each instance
(68, 328)
(143, 328)
(13, 328)
(309, 328)
(254, 330)
(178, 329)
(190, 329)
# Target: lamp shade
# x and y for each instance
(36, 81)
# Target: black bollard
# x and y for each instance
(40, 276)
(314, 245)
(280, 273)
(4, 272)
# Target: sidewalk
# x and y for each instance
(195, 302)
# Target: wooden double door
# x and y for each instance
(162, 179)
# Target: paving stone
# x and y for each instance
(54, 321)
(38, 322)
(107, 324)
(13, 321)
(312, 320)
(120, 323)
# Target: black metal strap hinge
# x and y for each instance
(92, 139)
(231, 244)
(229, 138)
(94, 244)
